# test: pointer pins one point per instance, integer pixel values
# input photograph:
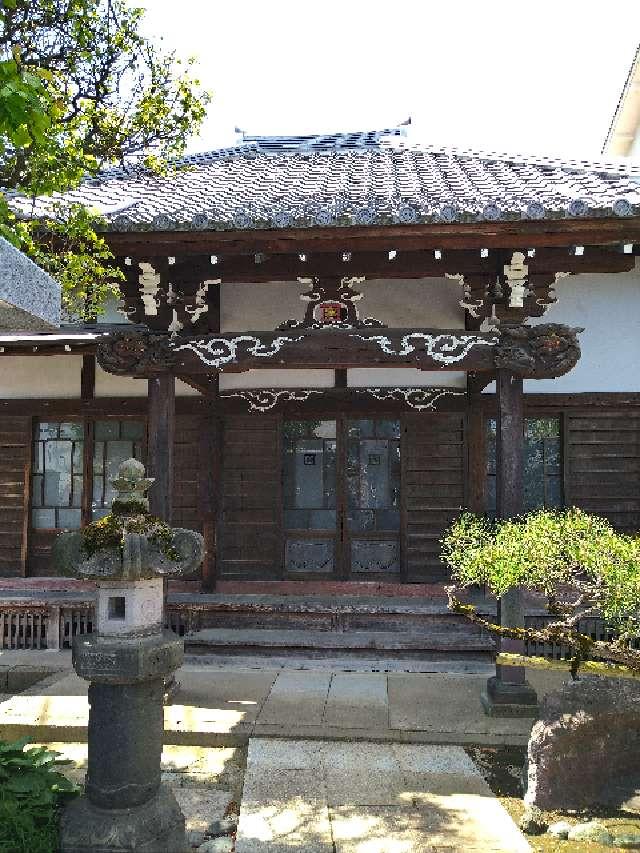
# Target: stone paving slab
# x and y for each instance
(357, 700)
(226, 707)
(297, 698)
(369, 798)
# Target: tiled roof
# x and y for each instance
(372, 178)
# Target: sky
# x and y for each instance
(542, 76)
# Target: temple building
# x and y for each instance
(326, 348)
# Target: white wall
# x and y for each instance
(402, 377)
(399, 302)
(23, 377)
(277, 379)
(259, 307)
(608, 307)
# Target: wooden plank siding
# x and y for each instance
(186, 473)
(601, 474)
(434, 474)
(15, 472)
(250, 529)
(602, 465)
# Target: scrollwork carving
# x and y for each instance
(135, 353)
(538, 352)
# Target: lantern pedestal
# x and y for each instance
(124, 807)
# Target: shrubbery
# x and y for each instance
(31, 793)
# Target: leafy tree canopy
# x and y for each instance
(81, 88)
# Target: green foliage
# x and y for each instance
(31, 793)
(551, 552)
(80, 88)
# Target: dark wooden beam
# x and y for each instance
(135, 354)
(161, 433)
(356, 400)
(512, 234)
(340, 379)
(88, 378)
(545, 350)
(380, 264)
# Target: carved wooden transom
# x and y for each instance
(170, 294)
(331, 303)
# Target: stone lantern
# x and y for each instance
(126, 661)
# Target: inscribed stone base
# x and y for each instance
(157, 826)
(505, 699)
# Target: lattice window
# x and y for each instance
(542, 468)
(57, 475)
(114, 441)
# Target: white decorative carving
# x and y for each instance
(416, 398)
(467, 303)
(447, 349)
(516, 277)
(552, 296)
(149, 286)
(175, 325)
(200, 306)
(216, 352)
(263, 400)
(352, 281)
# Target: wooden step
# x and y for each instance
(322, 613)
(314, 643)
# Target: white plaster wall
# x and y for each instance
(608, 307)
(277, 379)
(403, 377)
(23, 377)
(403, 303)
(108, 385)
(398, 303)
(259, 307)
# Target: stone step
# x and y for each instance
(385, 644)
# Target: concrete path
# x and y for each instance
(338, 797)
(228, 706)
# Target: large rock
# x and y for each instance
(29, 297)
(585, 744)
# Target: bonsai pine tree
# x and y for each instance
(577, 561)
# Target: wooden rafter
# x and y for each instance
(476, 235)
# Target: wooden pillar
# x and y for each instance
(160, 437)
(210, 488)
(211, 459)
(477, 456)
(509, 445)
(508, 693)
(87, 395)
